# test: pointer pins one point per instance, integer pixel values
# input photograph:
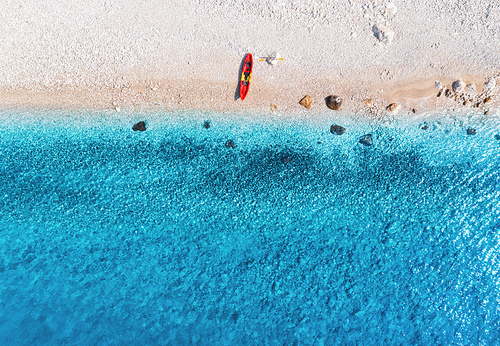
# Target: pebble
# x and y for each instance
(366, 140)
(471, 131)
(458, 86)
(487, 100)
(471, 87)
(306, 101)
(206, 124)
(334, 102)
(490, 84)
(391, 9)
(140, 126)
(497, 137)
(414, 110)
(368, 102)
(425, 127)
(393, 107)
(440, 92)
(230, 144)
(383, 33)
(337, 129)
(438, 85)
(447, 93)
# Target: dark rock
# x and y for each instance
(366, 140)
(230, 144)
(497, 137)
(337, 130)
(425, 127)
(286, 159)
(140, 126)
(206, 124)
(414, 110)
(448, 93)
(334, 102)
(440, 92)
(471, 131)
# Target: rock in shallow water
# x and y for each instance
(206, 125)
(337, 130)
(334, 102)
(471, 131)
(230, 144)
(366, 140)
(306, 101)
(140, 126)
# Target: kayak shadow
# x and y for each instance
(240, 71)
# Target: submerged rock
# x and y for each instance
(366, 140)
(306, 101)
(337, 130)
(206, 124)
(334, 102)
(497, 137)
(140, 126)
(425, 127)
(383, 33)
(458, 86)
(230, 144)
(471, 131)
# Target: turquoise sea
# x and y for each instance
(294, 237)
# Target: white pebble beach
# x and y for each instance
(186, 54)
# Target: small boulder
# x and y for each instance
(393, 107)
(140, 126)
(487, 100)
(383, 33)
(471, 87)
(306, 101)
(471, 131)
(230, 144)
(206, 124)
(497, 137)
(458, 86)
(334, 102)
(366, 140)
(337, 130)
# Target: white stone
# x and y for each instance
(471, 87)
(438, 85)
(490, 84)
(390, 9)
(458, 86)
(383, 33)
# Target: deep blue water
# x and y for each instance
(294, 237)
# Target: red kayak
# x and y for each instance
(246, 75)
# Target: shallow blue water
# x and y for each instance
(294, 237)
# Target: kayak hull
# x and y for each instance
(246, 76)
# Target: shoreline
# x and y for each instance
(168, 95)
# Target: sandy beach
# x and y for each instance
(186, 54)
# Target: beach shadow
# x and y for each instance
(237, 92)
